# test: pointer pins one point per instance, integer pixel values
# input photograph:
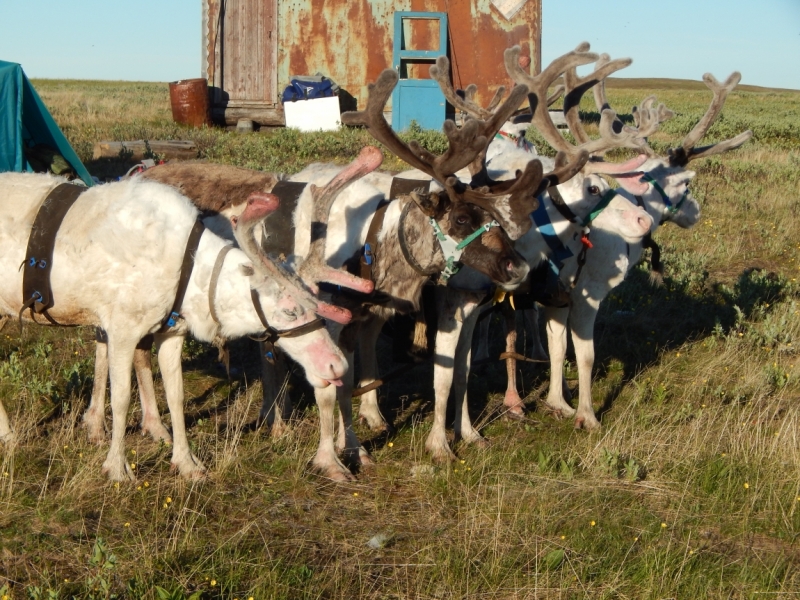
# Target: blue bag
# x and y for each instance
(306, 90)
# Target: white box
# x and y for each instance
(316, 114)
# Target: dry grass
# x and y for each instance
(690, 490)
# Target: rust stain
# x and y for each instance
(351, 40)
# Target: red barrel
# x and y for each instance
(189, 99)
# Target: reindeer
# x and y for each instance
(116, 261)
(409, 253)
(661, 186)
(456, 304)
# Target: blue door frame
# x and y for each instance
(418, 100)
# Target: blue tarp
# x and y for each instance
(26, 122)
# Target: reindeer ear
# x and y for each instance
(431, 204)
(247, 269)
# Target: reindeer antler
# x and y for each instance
(313, 267)
(687, 151)
(259, 206)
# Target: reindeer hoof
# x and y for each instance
(587, 423)
(158, 432)
(118, 472)
(189, 468)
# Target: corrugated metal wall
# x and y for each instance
(263, 42)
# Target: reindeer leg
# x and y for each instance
(512, 400)
(583, 314)
(6, 433)
(347, 442)
(151, 420)
(531, 317)
(169, 360)
(463, 425)
(448, 304)
(120, 358)
(94, 417)
(368, 410)
(482, 348)
(557, 344)
(276, 406)
(325, 461)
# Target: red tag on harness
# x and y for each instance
(585, 241)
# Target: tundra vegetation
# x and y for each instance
(690, 489)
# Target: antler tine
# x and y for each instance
(465, 144)
(439, 73)
(576, 87)
(313, 268)
(720, 92)
(557, 93)
(566, 167)
(244, 232)
(538, 89)
(614, 136)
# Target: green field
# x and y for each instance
(690, 490)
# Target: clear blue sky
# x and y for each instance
(160, 41)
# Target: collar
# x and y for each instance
(605, 200)
(672, 209)
(520, 141)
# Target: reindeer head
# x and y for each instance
(467, 214)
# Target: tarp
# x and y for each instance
(25, 122)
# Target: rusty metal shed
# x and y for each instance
(251, 48)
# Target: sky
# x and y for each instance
(150, 40)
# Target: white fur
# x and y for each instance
(116, 265)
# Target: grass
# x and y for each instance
(691, 489)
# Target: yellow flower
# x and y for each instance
(169, 499)
(663, 525)
(127, 525)
(213, 582)
(133, 465)
(463, 461)
(146, 484)
(563, 537)
(636, 539)
(592, 523)
(355, 494)
(746, 486)
(133, 452)
(390, 444)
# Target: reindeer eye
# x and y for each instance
(462, 220)
(594, 190)
(289, 314)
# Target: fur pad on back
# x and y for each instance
(212, 187)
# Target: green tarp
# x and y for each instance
(25, 122)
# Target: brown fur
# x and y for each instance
(212, 187)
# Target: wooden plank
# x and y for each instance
(135, 150)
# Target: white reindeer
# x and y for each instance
(661, 185)
(116, 262)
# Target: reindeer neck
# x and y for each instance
(393, 273)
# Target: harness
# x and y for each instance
(37, 294)
(271, 335)
(672, 209)
(520, 141)
(186, 272)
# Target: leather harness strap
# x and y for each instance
(36, 291)
(186, 272)
(649, 242)
(212, 285)
(281, 238)
(371, 245)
